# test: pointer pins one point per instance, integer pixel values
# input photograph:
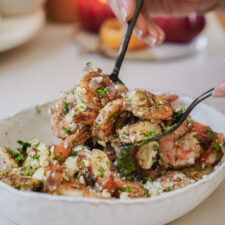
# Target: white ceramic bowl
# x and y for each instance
(19, 7)
(26, 208)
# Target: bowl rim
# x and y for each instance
(165, 195)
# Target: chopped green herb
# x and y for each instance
(178, 113)
(67, 130)
(73, 153)
(113, 118)
(66, 108)
(155, 147)
(146, 179)
(170, 188)
(216, 146)
(127, 189)
(148, 135)
(224, 144)
(26, 171)
(72, 91)
(199, 169)
(88, 63)
(159, 102)
(175, 158)
(185, 170)
(189, 122)
(24, 146)
(17, 156)
(36, 157)
(101, 172)
(83, 163)
(211, 133)
(124, 161)
(38, 109)
(201, 150)
(102, 91)
(74, 116)
(59, 159)
(36, 145)
(74, 143)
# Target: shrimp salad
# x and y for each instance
(104, 150)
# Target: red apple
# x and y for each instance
(93, 13)
(182, 29)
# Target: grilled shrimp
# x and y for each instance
(59, 115)
(22, 182)
(173, 180)
(138, 132)
(54, 175)
(104, 123)
(75, 189)
(7, 162)
(80, 137)
(179, 149)
(148, 106)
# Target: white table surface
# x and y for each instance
(35, 73)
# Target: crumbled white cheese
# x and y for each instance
(39, 174)
(106, 194)
(71, 165)
(124, 195)
(154, 188)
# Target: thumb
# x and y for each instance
(219, 91)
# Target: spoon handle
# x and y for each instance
(202, 97)
(125, 41)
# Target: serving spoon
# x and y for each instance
(115, 74)
(125, 41)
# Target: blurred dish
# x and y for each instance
(19, 30)
(91, 43)
(19, 7)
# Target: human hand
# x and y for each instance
(145, 27)
(219, 91)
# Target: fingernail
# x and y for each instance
(138, 32)
(218, 94)
(151, 41)
(219, 90)
(161, 39)
(123, 13)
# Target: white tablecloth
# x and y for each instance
(35, 73)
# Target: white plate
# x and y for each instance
(26, 208)
(91, 43)
(15, 31)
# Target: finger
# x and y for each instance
(124, 9)
(219, 91)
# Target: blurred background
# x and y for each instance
(44, 46)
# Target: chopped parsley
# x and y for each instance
(146, 179)
(74, 143)
(83, 163)
(24, 146)
(185, 170)
(102, 91)
(38, 109)
(170, 188)
(36, 157)
(72, 153)
(26, 171)
(216, 146)
(211, 134)
(74, 116)
(155, 147)
(175, 158)
(178, 113)
(17, 156)
(148, 135)
(36, 145)
(59, 159)
(112, 118)
(72, 91)
(101, 172)
(67, 130)
(199, 169)
(66, 107)
(124, 161)
(127, 189)
(189, 122)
